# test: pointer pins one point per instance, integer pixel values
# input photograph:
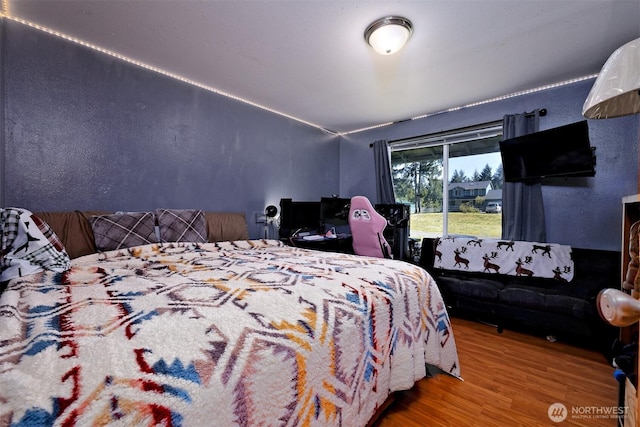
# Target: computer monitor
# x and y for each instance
(334, 213)
(298, 217)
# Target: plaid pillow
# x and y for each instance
(124, 230)
(48, 233)
(182, 225)
(28, 245)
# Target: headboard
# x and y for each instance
(74, 230)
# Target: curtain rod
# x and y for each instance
(542, 111)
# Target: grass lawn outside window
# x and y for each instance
(478, 224)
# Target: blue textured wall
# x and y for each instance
(82, 130)
(87, 131)
(583, 212)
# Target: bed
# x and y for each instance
(226, 333)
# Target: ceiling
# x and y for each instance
(308, 59)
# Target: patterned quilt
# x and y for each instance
(239, 333)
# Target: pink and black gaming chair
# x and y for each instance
(367, 227)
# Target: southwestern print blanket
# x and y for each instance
(239, 333)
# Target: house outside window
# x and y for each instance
(470, 160)
(468, 192)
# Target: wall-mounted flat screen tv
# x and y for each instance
(564, 151)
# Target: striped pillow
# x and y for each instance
(123, 230)
(182, 225)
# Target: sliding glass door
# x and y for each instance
(452, 181)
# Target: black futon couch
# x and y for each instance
(543, 306)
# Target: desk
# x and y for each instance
(343, 243)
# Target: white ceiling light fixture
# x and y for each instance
(388, 35)
(616, 91)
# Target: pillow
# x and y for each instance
(123, 230)
(182, 225)
(226, 226)
(73, 229)
(28, 245)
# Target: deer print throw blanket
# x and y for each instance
(509, 257)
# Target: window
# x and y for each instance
(470, 160)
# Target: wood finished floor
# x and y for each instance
(510, 379)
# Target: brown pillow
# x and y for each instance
(73, 229)
(226, 226)
(124, 230)
(181, 225)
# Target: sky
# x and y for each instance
(471, 164)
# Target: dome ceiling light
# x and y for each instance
(388, 35)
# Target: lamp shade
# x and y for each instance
(618, 308)
(388, 35)
(616, 91)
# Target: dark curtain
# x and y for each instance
(384, 180)
(522, 207)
